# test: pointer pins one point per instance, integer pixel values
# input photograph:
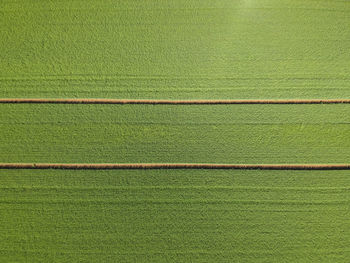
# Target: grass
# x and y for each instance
(174, 216)
(174, 134)
(180, 49)
(175, 49)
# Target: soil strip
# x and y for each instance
(173, 102)
(103, 166)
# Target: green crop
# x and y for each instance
(174, 49)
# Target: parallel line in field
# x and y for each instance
(172, 102)
(174, 201)
(316, 189)
(102, 166)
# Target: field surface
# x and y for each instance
(175, 134)
(174, 216)
(220, 49)
(171, 50)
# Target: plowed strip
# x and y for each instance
(179, 102)
(98, 166)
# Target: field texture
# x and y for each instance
(174, 216)
(175, 49)
(175, 134)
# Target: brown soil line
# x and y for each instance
(101, 166)
(170, 102)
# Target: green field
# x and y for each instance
(175, 49)
(174, 216)
(186, 49)
(175, 134)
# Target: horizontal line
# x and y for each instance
(173, 201)
(180, 187)
(102, 166)
(172, 102)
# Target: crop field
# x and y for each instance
(189, 49)
(174, 216)
(58, 205)
(175, 133)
